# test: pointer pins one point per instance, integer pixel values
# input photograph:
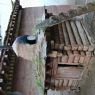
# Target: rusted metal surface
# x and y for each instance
(8, 57)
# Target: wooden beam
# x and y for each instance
(66, 38)
(82, 35)
(71, 36)
(76, 35)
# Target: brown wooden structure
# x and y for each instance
(70, 51)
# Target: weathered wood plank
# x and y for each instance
(56, 83)
(82, 35)
(91, 46)
(59, 55)
(52, 44)
(56, 34)
(74, 83)
(70, 83)
(71, 36)
(65, 59)
(66, 37)
(61, 36)
(55, 65)
(82, 57)
(69, 72)
(68, 63)
(65, 82)
(60, 84)
(77, 56)
(77, 36)
(71, 57)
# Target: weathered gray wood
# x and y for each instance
(65, 59)
(88, 53)
(54, 62)
(70, 82)
(87, 60)
(59, 55)
(88, 57)
(69, 73)
(56, 19)
(82, 57)
(60, 84)
(55, 66)
(71, 57)
(65, 82)
(77, 36)
(82, 35)
(74, 83)
(56, 84)
(69, 63)
(66, 37)
(91, 46)
(71, 36)
(61, 37)
(77, 56)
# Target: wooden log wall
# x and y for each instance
(70, 55)
(8, 57)
(72, 35)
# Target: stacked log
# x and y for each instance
(72, 35)
(71, 53)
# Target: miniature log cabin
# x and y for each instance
(69, 53)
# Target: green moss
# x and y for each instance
(38, 73)
(40, 87)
